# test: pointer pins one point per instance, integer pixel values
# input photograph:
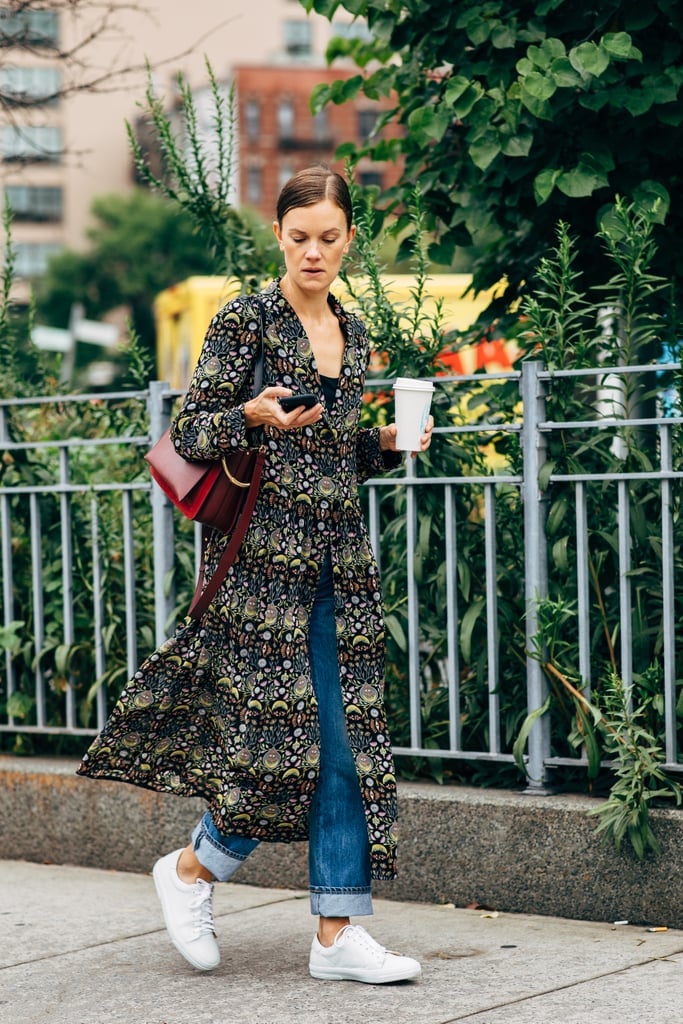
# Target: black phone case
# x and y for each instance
(289, 402)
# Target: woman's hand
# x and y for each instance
(265, 410)
(387, 437)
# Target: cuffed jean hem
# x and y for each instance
(213, 855)
(342, 903)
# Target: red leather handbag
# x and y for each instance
(211, 493)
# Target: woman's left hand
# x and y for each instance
(387, 437)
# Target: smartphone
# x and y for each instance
(289, 402)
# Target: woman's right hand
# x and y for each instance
(265, 410)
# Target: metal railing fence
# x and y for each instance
(473, 541)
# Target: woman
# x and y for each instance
(271, 706)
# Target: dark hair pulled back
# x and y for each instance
(312, 185)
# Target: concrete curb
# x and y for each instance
(503, 850)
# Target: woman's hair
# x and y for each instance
(312, 185)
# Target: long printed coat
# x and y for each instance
(225, 709)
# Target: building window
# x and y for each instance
(28, 28)
(285, 120)
(29, 86)
(31, 258)
(352, 30)
(367, 178)
(28, 202)
(254, 185)
(367, 122)
(321, 127)
(298, 38)
(285, 172)
(31, 143)
(252, 119)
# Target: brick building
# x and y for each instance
(279, 135)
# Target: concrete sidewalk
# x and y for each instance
(84, 946)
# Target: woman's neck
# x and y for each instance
(309, 307)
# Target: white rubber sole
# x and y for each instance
(382, 977)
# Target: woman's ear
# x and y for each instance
(351, 236)
(278, 233)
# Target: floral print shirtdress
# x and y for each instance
(225, 709)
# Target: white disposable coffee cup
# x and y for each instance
(412, 400)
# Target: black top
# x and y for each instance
(329, 389)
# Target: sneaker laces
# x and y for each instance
(201, 906)
(356, 932)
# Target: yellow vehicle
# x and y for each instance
(184, 310)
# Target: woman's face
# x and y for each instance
(314, 240)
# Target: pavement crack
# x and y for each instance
(474, 1016)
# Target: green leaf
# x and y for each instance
(467, 625)
(589, 59)
(544, 55)
(19, 705)
(581, 181)
(347, 149)
(517, 145)
(541, 87)
(618, 45)
(462, 95)
(9, 640)
(594, 100)
(540, 109)
(544, 183)
(638, 101)
(63, 653)
(589, 739)
(429, 123)
(546, 471)
(559, 553)
(478, 29)
(519, 745)
(396, 629)
(558, 511)
(653, 200)
(564, 75)
(663, 88)
(484, 151)
(503, 37)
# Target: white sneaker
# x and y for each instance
(188, 913)
(355, 956)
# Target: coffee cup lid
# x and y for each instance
(413, 384)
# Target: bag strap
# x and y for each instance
(204, 595)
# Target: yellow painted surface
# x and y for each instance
(184, 310)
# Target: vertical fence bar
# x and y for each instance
(67, 576)
(625, 617)
(453, 639)
(7, 570)
(492, 616)
(535, 564)
(129, 582)
(162, 516)
(98, 613)
(38, 608)
(668, 606)
(583, 586)
(374, 525)
(413, 622)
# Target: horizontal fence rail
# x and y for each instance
(473, 542)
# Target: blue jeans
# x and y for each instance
(339, 855)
